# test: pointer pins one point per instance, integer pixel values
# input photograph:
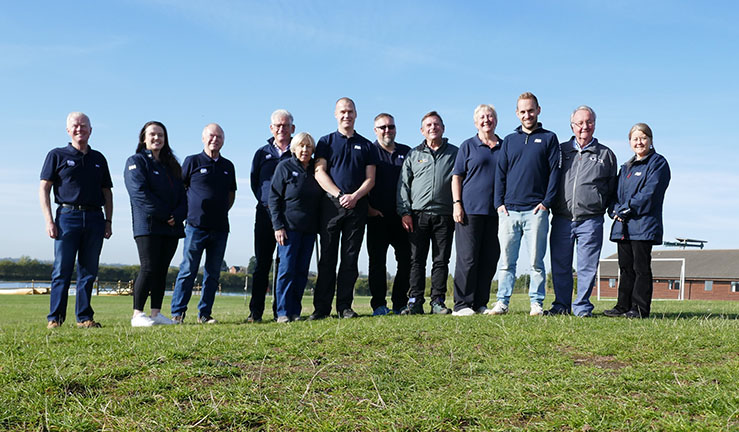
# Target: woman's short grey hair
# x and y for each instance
(485, 107)
(301, 138)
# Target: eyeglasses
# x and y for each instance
(583, 123)
(388, 127)
(281, 125)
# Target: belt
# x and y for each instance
(81, 207)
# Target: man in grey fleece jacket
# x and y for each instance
(587, 186)
(425, 206)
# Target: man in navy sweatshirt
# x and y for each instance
(525, 186)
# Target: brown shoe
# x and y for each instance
(88, 324)
(53, 324)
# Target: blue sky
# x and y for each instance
(186, 63)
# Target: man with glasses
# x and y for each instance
(262, 168)
(587, 187)
(383, 223)
(345, 169)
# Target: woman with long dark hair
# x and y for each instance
(159, 206)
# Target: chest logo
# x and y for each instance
(638, 173)
(70, 163)
(295, 173)
(401, 157)
(269, 156)
(97, 166)
(203, 170)
(538, 140)
(423, 160)
(357, 147)
(225, 172)
(131, 167)
(156, 172)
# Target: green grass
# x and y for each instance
(676, 371)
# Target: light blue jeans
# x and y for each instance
(533, 229)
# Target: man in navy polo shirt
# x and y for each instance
(210, 180)
(262, 168)
(82, 186)
(383, 223)
(345, 169)
(526, 182)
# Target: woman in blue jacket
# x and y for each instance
(294, 203)
(159, 206)
(637, 225)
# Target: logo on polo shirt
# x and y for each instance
(295, 173)
(401, 156)
(203, 170)
(269, 156)
(537, 140)
(70, 163)
(357, 147)
(423, 160)
(156, 172)
(132, 167)
(225, 172)
(638, 173)
(97, 166)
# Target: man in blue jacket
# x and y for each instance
(262, 169)
(82, 186)
(525, 185)
(210, 180)
(586, 189)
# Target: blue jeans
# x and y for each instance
(198, 240)
(588, 234)
(292, 275)
(532, 228)
(80, 235)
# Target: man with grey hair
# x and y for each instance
(262, 168)
(80, 179)
(587, 187)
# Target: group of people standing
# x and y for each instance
(491, 193)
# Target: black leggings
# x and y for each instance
(155, 254)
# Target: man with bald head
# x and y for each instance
(80, 179)
(210, 181)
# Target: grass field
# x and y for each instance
(676, 371)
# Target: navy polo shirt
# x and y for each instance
(78, 178)
(208, 184)
(263, 167)
(476, 163)
(346, 158)
(528, 170)
(384, 194)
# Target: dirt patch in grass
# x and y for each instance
(602, 362)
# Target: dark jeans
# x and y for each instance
(439, 230)
(264, 247)
(197, 241)
(635, 287)
(79, 235)
(347, 226)
(155, 254)
(381, 233)
(478, 251)
(293, 272)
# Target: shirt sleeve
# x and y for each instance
(254, 176)
(460, 163)
(554, 155)
(501, 175)
(105, 182)
(48, 171)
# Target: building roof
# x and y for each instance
(703, 264)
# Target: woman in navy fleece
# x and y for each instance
(642, 183)
(294, 203)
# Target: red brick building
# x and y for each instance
(708, 275)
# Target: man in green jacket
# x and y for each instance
(425, 206)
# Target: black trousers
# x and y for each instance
(478, 251)
(439, 231)
(382, 232)
(339, 226)
(635, 288)
(155, 255)
(264, 248)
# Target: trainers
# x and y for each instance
(283, 319)
(400, 311)
(380, 311)
(536, 310)
(53, 324)
(614, 313)
(161, 319)
(89, 324)
(142, 320)
(348, 313)
(413, 308)
(251, 319)
(206, 319)
(464, 312)
(178, 319)
(482, 310)
(294, 317)
(439, 308)
(500, 308)
(633, 313)
(553, 311)
(315, 316)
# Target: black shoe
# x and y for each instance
(251, 319)
(439, 308)
(614, 313)
(414, 308)
(635, 314)
(553, 311)
(315, 316)
(348, 313)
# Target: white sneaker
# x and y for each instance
(142, 320)
(536, 309)
(500, 308)
(464, 312)
(161, 319)
(482, 310)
